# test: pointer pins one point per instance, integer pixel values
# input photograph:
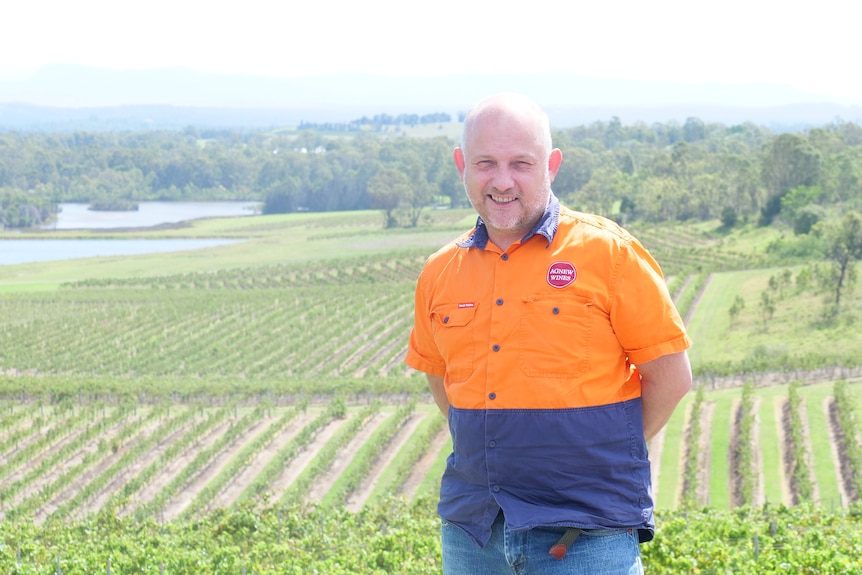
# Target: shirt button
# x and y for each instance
(446, 319)
(505, 257)
(492, 443)
(492, 395)
(499, 302)
(556, 310)
(496, 488)
(496, 347)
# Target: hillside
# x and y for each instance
(236, 378)
(287, 331)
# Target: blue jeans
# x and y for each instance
(594, 552)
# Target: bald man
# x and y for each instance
(553, 348)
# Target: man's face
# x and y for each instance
(507, 173)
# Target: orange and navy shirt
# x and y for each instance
(538, 347)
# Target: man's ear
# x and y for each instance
(460, 163)
(554, 161)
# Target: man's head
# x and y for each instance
(507, 164)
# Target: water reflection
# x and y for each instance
(29, 251)
(149, 214)
(77, 216)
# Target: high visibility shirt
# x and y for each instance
(537, 346)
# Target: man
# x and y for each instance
(552, 345)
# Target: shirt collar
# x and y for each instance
(546, 226)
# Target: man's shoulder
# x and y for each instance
(573, 221)
(448, 250)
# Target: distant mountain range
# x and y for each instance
(70, 97)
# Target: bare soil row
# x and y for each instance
(701, 452)
(101, 460)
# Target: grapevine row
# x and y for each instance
(357, 471)
(369, 270)
(284, 456)
(139, 447)
(843, 411)
(324, 458)
(209, 420)
(85, 458)
(400, 537)
(213, 487)
(260, 334)
(796, 456)
(203, 458)
(744, 480)
(410, 454)
(692, 457)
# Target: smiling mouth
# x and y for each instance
(502, 199)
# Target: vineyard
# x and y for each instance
(74, 455)
(293, 477)
(260, 419)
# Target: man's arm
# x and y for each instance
(664, 382)
(438, 391)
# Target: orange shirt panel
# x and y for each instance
(544, 325)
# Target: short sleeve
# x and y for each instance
(643, 314)
(422, 351)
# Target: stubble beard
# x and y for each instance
(522, 221)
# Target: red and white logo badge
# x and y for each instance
(561, 274)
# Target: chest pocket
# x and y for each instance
(452, 327)
(556, 334)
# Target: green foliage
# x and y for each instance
(766, 308)
(804, 278)
(800, 205)
(790, 161)
(691, 472)
(322, 321)
(325, 456)
(806, 218)
(767, 540)
(661, 172)
(843, 410)
(744, 480)
(337, 408)
(400, 537)
(79, 359)
(799, 470)
(796, 248)
(405, 461)
(19, 209)
(845, 249)
(394, 537)
(351, 478)
(729, 217)
(692, 289)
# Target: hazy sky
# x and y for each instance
(813, 46)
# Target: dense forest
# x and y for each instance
(649, 173)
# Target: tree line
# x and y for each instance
(659, 172)
(378, 122)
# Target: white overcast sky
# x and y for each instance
(813, 46)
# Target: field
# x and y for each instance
(267, 377)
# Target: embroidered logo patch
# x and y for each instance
(561, 274)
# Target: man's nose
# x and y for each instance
(503, 179)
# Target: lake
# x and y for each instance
(28, 251)
(77, 216)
